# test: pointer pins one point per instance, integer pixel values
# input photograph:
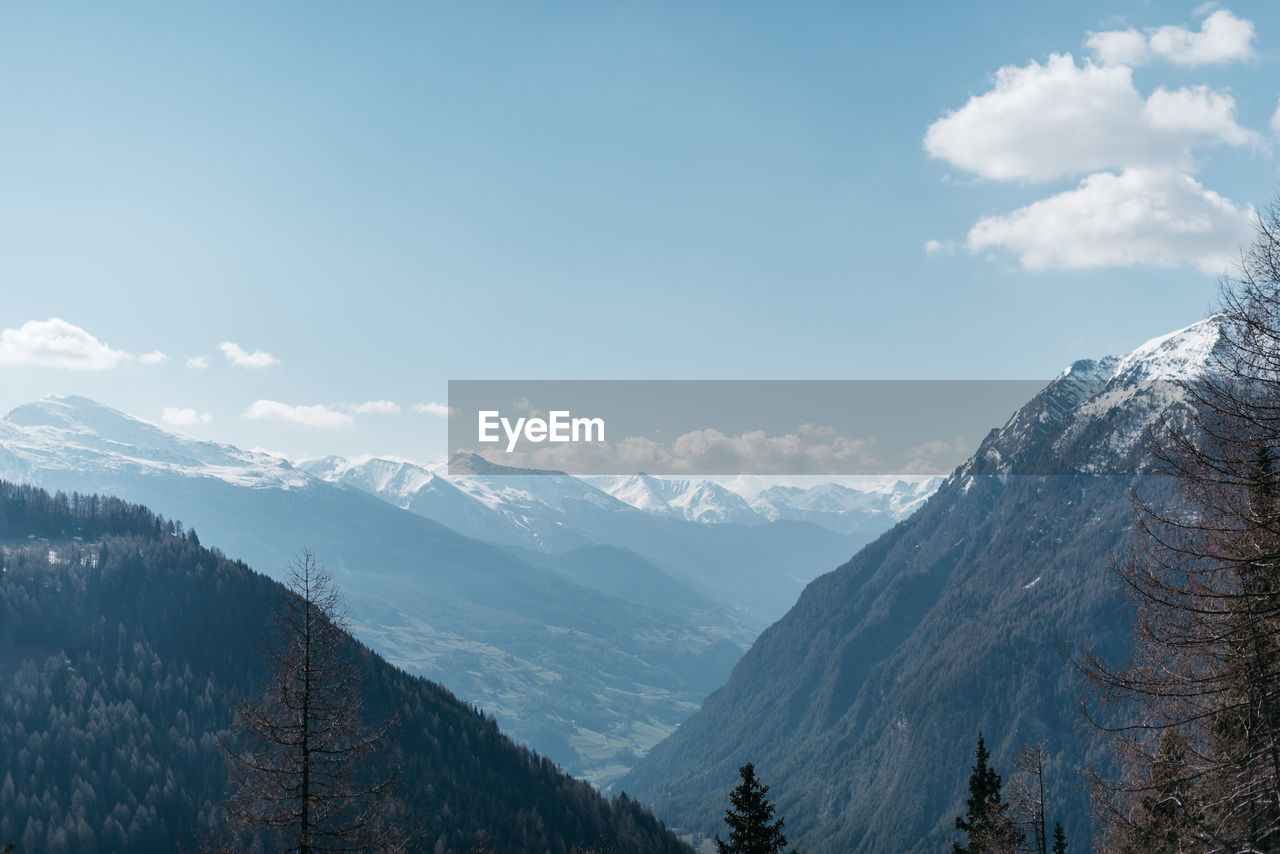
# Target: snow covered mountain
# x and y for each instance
(676, 498)
(62, 435)
(841, 507)
(539, 510)
(744, 544)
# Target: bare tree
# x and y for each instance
(1026, 795)
(1194, 715)
(300, 775)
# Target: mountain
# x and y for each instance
(752, 552)
(122, 644)
(861, 706)
(841, 508)
(677, 498)
(872, 506)
(589, 676)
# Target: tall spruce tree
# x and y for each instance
(752, 829)
(1059, 839)
(986, 822)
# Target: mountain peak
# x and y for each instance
(466, 463)
(1178, 355)
(70, 433)
(72, 411)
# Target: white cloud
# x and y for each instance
(1041, 122)
(184, 417)
(1118, 47)
(1141, 216)
(155, 357)
(1275, 121)
(197, 363)
(309, 416)
(1197, 110)
(376, 407)
(938, 247)
(242, 358)
(439, 410)
(55, 343)
(1222, 38)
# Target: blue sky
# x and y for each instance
(368, 200)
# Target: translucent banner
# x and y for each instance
(726, 427)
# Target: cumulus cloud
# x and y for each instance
(315, 415)
(1134, 155)
(938, 247)
(1042, 122)
(242, 358)
(1141, 216)
(197, 363)
(376, 407)
(55, 343)
(155, 357)
(1197, 111)
(1222, 38)
(1118, 47)
(184, 417)
(439, 410)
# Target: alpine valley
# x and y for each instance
(603, 621)
(589, 625)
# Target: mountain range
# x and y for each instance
(588, 627)
(591, 616)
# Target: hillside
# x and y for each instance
(122, 644)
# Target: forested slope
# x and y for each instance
(123, 643)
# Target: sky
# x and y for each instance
(289, 225)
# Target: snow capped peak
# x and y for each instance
(1096, 416)
(680, 498)
(1089, 370)
(71, 411)
(1181, 354)
(758, 500)
(395, 479)
(68, 433)
(1178, 355)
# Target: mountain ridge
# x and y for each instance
(860, 706)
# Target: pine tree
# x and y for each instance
(1059, 839)
(986, 822)
(751, 826)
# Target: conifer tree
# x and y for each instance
(1059, 839)
(986, 822)
(752, 829)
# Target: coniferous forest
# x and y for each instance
(124, 645)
